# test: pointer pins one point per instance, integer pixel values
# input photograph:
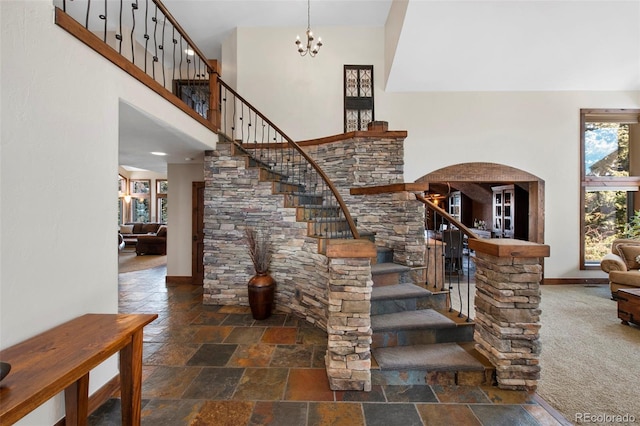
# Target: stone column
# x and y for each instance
(507, 301)
(348, 358)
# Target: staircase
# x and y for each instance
(416, 340)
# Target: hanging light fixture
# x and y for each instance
(310, 48)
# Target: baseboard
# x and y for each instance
(99, 397)
(176, 280)
(579, 281)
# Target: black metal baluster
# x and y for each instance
(146, 34)
(155, 42)
(134, 7)
(161, 47)
(119, 35)
(104, 18)
(173, 62)
(86, 19)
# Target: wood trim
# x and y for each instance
(94, 42)
(507, 247)
(552, 411)
(350, 248)
(395, 187)
(99, 397)
(178, 280)
(392, 134)
(577, 281)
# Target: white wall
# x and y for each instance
(179, 231)
(533, 131)
(58, 173)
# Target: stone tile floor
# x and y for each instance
(213, 365)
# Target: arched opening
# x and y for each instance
(477, 185)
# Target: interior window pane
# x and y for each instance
(605, 217)
(606, 149)
(140, 210)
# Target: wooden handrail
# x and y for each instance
(318, 169)
(468, 232)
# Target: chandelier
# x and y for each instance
(310, 48)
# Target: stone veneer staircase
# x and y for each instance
(415, 339)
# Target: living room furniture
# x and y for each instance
(621, 265)
(60, 360)
(155, 243)
(510, 212)
(121, 243)
(629, 305)
(132, 230)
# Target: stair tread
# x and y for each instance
(388, 267)
(398, 291)
(420, 319)
(434, 357)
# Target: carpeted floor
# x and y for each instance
(128, 261)
(590, 361)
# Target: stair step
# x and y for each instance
(436, 364)
(435, 357)
(326, 226)
(301, 199)
(307, 212)
(411, 320)
(286, 188)
(389, 273)
(401, 297)
(399, 291)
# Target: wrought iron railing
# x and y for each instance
(143, 33)
(296, 174)
(449, 260)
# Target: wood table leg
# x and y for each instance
(76, 402)
(131, 380)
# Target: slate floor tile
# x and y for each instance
(292, 356)
(168, 382)
(460, 394)
(227, 413)
(245, 335)
(503, 415)
(391, 414)
(214, 383)
(172, 412)
(261, 384)
(279, 413)
(253, 355)
(280, 335)
(447, 415)
(410, 393)
(308, 384)
(211, 355)
(331, 413)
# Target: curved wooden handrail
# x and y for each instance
(468, 232)
(317, 168)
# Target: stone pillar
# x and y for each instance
(507, 305)
(348, 358)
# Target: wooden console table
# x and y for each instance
(61, 358)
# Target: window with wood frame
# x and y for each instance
(140, 191)
(609, 177)
(162, 187)
(358, 97)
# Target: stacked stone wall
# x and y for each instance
(397, 219)
(236, 198)
(507, 318)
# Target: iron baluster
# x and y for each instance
(86, 21)
(161, 47)
(119, 35)
(146, 34)
(134, 7)
(155, 42)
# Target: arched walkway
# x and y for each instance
(474, 178)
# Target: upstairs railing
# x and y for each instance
(296, 174)
(454, 269)
(145, 40)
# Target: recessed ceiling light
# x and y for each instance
(188, 159)
(189, 52)
(159, 153)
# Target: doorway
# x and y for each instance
(476, 180)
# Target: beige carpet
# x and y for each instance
(128, 261)
(590, 361)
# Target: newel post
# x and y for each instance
(348, 358)
(507, 306)
(214, 94)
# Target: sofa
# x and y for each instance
(132, 230)
(622, 265)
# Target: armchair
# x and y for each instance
(622, 265)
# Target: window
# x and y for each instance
(140, 193)
(161, 199)
(358, 97)
(610, 176)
